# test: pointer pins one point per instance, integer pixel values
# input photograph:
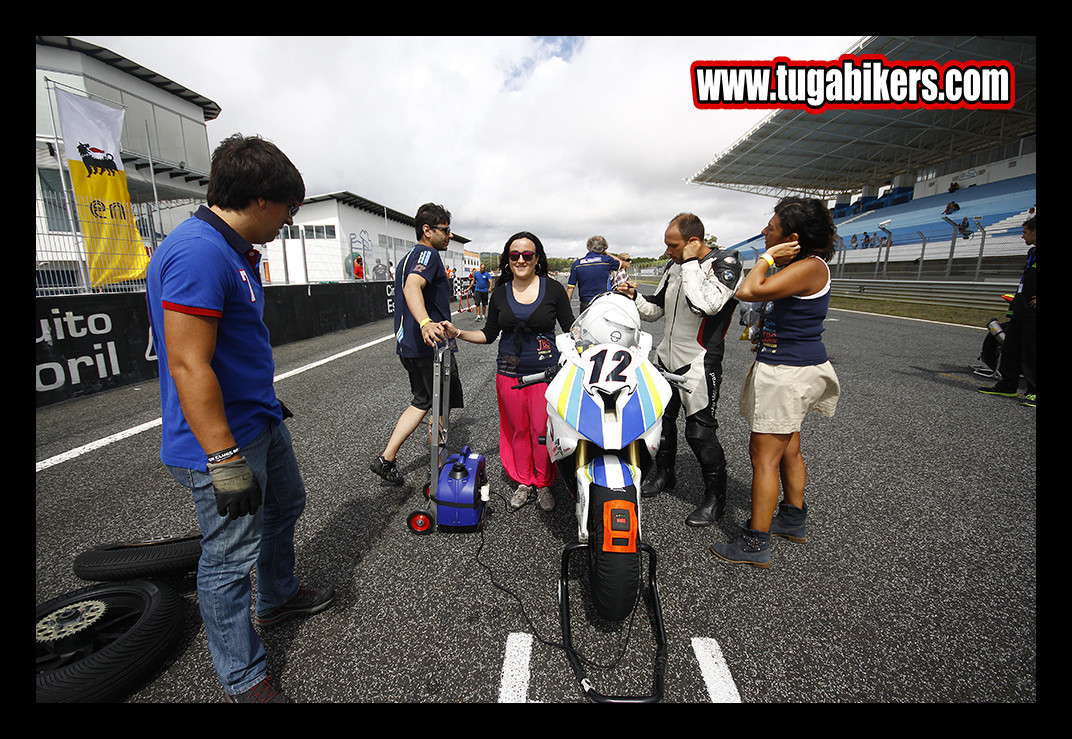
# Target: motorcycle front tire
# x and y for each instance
(614, 572)
(615, 582)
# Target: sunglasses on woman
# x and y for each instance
(528, 256)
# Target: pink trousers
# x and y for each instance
(522, 420)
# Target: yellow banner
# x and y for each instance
(114, 248)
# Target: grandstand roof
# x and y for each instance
(794, 151)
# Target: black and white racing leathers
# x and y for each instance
(696, 299)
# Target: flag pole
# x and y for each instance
(83, 264)
(152, 178)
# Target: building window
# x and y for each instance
(320, 232)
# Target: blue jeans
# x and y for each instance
(231, 549)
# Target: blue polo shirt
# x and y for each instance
(205, 268)
(591, 274)
(481, 281)
(426, 262)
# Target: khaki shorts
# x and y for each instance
(776, 397)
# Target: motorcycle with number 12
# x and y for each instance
(605, 403)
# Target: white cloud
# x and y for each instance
(563, 137)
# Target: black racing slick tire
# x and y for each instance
(98, 644)
(131, 560)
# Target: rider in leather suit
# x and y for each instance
(695, 295)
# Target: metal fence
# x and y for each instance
(67, 252)
(975, 254)
(302, 254)
(79, 254)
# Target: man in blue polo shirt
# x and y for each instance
(223, 432)
(422, 281)
(481, 287)
(591, 273)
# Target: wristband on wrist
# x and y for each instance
(426, 320)
(769, 258)
(217, 457)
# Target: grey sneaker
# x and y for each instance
(545, 499)
(998, 390)
(520, 496)
(262, 692)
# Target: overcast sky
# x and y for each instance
(565, 137)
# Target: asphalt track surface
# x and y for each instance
(917, 582)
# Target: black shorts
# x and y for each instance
(481, 297)
(421, 370)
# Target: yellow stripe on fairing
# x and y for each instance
(653, 391)
(567, 391)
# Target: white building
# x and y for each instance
(164, 147)
(166, 154)
(330, 231)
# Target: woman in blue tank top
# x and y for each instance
(791, 375)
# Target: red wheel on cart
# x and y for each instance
(421, 522)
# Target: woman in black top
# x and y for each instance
(525, 306)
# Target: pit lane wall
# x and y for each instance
(90, 343)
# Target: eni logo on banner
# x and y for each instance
(91, 132)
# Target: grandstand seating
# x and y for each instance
(999, 205)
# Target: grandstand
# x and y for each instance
(891, 173)
(921, 235)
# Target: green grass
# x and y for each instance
(942, 313)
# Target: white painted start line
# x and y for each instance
(85, 448)
(514, 682)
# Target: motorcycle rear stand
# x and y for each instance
(657, 624)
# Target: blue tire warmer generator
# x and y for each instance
(457, 491)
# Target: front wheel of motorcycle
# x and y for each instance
(614, 577)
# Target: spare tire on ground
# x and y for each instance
(126, 560)
(100, 643)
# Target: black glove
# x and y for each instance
(237, 489)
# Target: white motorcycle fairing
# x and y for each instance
(607, 397)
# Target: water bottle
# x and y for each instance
(994, 327)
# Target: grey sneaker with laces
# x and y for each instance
(308, 601)
(545, 499)
(520, 496)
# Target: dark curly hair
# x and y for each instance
(505, 275)
(811, 221)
